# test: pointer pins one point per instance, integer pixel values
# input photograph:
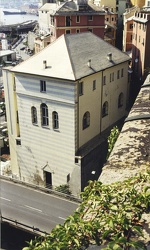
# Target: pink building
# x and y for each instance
(141, 42)
(73, 18)
(70, 18)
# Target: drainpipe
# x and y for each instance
(77, 103)
(101, 103)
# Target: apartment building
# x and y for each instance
(141, 41)
(128, 23)
(110, 26)
(69, 18)
(59, 103)
(106, 3)
(139, 3)
(128, 28)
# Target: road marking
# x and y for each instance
(33, 208)
(61, 218)
(5, 199)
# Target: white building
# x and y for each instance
(45, 13)
(111, 4)
(59, 103)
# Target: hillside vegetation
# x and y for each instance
(109, 215)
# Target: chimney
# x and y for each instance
(109, 57)
(44, 64)
(89, 63)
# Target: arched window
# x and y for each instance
(44, 115)
(55, 120)
(120, 100)
(34, 115)
(105, 109)
(86, 120)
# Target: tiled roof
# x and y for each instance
(48, 7)
(71, 6)
(68, 56)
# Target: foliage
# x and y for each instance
(112, 138)
(63, 189)
(109, 215)
(2, 107)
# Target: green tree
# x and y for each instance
(63, 189)
(112, 138)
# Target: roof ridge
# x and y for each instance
(73, 70)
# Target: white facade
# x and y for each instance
(42, 151)
(46, 25)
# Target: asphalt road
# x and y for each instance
(32, 207)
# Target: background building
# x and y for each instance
(128, 28)
(68, 18)
(141, 41)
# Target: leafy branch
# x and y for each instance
(112, 138)
(109, 215)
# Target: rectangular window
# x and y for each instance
(18, 141)
(80, 88)
(77, 19)
(68, 21)
(68, 32)
(76, 160)
(14, 88)
(122, 71)
(143, 41)
(17, 116)
(52, 20)
(94, 84)
(90, 18)
(131, 26)
(104, 80)
(139, 39)
(68, 178)
(77, 31)
(111, 77)
(43, 86)
(118, 74)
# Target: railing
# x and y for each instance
(44, 189)
(22, 225)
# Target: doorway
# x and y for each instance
(48, 179)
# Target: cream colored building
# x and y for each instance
(59, 102)
(139, 3)
(109, 3)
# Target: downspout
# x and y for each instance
(78, 115)
(101, 102)
(79, 157)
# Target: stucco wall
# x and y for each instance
(13, 128)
